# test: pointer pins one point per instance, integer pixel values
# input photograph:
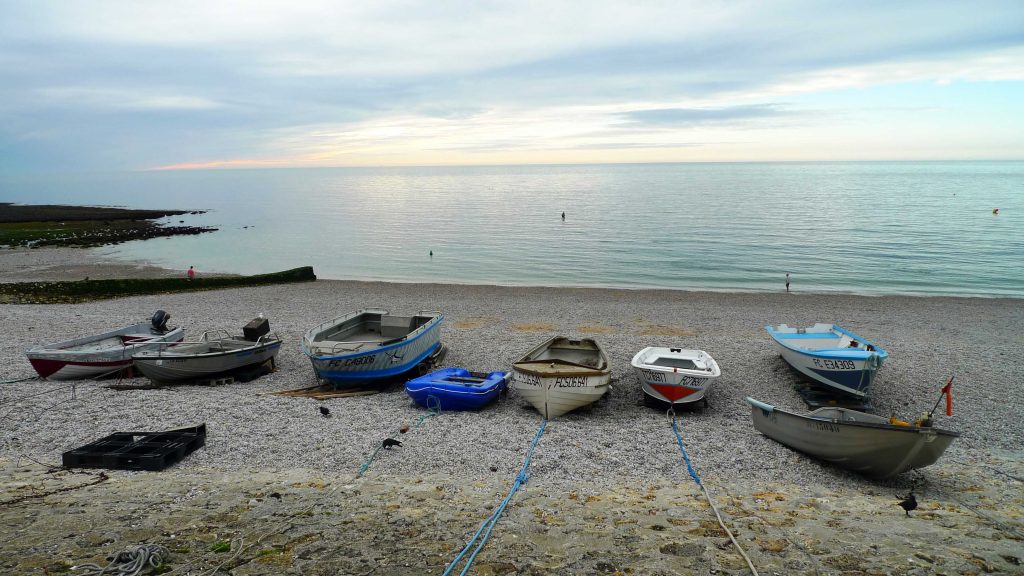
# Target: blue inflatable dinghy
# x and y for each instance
(457, 388)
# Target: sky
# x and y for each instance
(155, 85)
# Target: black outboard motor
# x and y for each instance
(159, 321)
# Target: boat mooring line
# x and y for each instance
(693, 474)
(433, 409)
(491, 520)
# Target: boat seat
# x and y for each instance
(130, 338)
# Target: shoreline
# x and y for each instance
(67, 263)
(607, 490)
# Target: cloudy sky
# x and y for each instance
(139, 85)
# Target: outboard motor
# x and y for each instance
(159, 321)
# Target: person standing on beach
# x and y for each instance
(191, 273)
(787, 281)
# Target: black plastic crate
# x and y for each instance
(137, 450)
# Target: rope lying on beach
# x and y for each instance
(491, 520)
(29, 379)
(433, 409)
(693, 474)
(129, 562)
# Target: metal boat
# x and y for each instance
(861, 442)
(675, 375)
(371, 345)
(102, 354)
(829, 355)
(562, 374)
(457, 389)
(215, 354)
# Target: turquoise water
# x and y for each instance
(862, 227)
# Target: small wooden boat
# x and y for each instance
(675, 375)
(214, 354)
(829, 355)
(371, 345)
(102, 354)
(561, 375)
(457, 389)
(864, 443)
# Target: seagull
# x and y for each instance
(389, 442)
(324, 411)
(908, 503)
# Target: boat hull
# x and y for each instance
(664, 381)
(554, 383)
(449, 389)
(97, 355)
(821, 353)
(375, 363)
(171, 366)
(873, 449)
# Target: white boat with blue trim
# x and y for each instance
(371, 345)
(829, 355)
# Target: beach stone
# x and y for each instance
(688, 549)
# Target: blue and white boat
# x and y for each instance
(457, 389)
(831, 356)
(371, 345)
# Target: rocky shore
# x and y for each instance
(276, 489)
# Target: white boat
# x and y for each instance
(213, 355)
(101, 354)
(829, 355)
(864, 443)
(561, 375)
(675, 375)
(372, 345)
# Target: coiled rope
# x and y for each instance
(433, 409)
(491, 520)
(693, 474)
(129, 562)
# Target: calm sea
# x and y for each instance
(862, 227)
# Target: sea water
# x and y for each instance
(861, 227)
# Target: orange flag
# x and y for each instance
(948, 391)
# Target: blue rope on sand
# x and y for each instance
(679, 439)
(491, 520)
(433, 409)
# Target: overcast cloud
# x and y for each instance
(144, 85)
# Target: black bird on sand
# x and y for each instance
(389, 442)
(908, 503)
(324, 411)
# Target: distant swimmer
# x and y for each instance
(995, 210)
(563, 215)
(431, 253)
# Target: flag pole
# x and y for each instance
(945, 390)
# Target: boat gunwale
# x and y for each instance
(874, 425)
(426, 328)
(64, 350)
(146, 355)
(843, 353)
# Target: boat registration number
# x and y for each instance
(358, 361)
(835, 364)
(571, 382)
(653, 376)
(528, 379)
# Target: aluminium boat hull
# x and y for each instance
(371, 346)
(98, 354)
(200, 360)
(860, 442)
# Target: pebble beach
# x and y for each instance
(277, 490)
